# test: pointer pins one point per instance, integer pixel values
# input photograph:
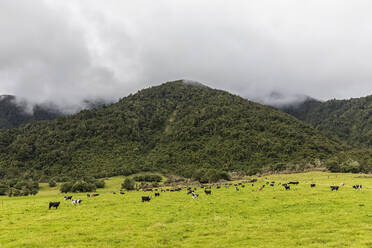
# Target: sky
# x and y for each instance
(69, 51)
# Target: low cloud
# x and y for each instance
(68, 51)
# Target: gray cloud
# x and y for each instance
(67, 51)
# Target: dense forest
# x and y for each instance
(350, 120)
(172, 128)
(14, 113)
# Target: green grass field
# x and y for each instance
(273, 217)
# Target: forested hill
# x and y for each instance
(174, 127)
(349, 120)
(14, 115)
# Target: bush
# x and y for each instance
(210, 176)
(66, 187)
(148, 178)
(100, 184)
(52, 183)
(3, 189)
(82, 186)
(128, 184)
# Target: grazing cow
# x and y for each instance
(243, 186)
(146, 198)
(236, 188)
(294, 183)
(77, 201)
(342, 184)
(272, 185)
(287, 187)
(157, 194)
(162, 190)
(92, 195)
(358, 186)
(334, 188)
(114, 193)
(208, 192)
(54, 204)
(260, 188)
(312, 185)
(218, 187)
(67, 197)
(122, 193)
(194, 195)
(267, 183)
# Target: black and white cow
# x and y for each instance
(357, 186)
(312, 185)
(76, 202)
(334, 188)
(194, 195)
(146, 198)
(67, 197)
(54, 204)
(208, 192)
(157, 194)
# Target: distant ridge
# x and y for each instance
(172, 128)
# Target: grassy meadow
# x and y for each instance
(273, 217)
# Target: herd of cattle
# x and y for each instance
(207, 190)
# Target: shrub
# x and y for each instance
(52, 183)
(128, 184)
(3, 189)
(99, 184)
(148, 178)
(66, 187)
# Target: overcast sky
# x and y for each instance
(66, 51)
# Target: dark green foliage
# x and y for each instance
(13, 187)
(350, 120)
(88, 184)
(66, 187)
(172, 128)
(78, 186)
(13, 114)
(148, 178)
(3, 189)
(128, 184)
(52, 183)
(99, 184)
(210, 175)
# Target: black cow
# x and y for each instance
(69, 197)
(312, 185)
(334, 188)
(157, 194)
(287, 187)
(208, 192)
(146, 198)
(122, 193)
(236, 188)
(54, 204)
(294, 183)
(272, 185)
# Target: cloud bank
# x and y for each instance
(68, 51)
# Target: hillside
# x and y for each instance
(14, 115)
(350, 120)
(171, 128)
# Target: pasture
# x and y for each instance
(272, 217)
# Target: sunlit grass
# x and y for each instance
(301, 217)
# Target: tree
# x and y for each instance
(52, 183)
(128, 184)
